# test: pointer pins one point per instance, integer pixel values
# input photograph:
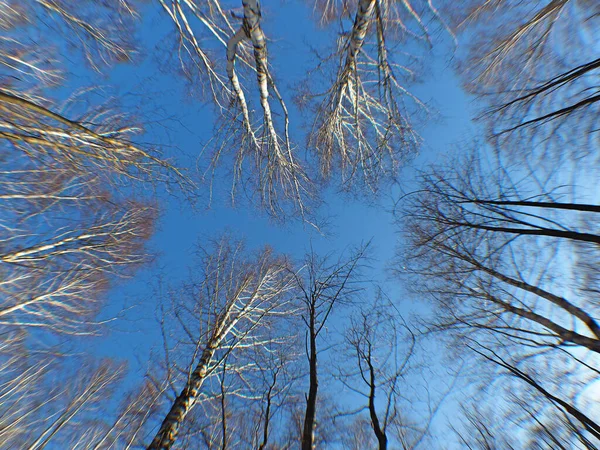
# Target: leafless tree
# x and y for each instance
(480, 431)
(359, 435)
(361, 123)
(500, 253)
(79, 398)
(55, 280)
(48, 138)
(534, 65)
(41, 128)
(126, 428)
(66, 228)
(362, 126)
(322, 285)
(584, 424)
(247, 412)
(274, 382)
(501, 247)
(365, 338)
(76, 134)
(220, 316)
(21, 371)
(380, 367)
(276, 176)
(101, 32)
(526, 43)
(472, 222)
(37, 412)
(328, 431)
(538, 419)
(71, 222)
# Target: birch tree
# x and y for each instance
(248, 411)
(65, 225)
(534, 65)
(69, 225)
(361, 131)
(36, 412)
(220, 316)
(274, 174)
(362, 126)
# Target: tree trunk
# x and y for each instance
(357, 38)
(379, 433)
(182, 405)
(311, 400)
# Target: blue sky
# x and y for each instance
(185, 123)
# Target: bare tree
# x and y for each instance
(328, 431)
(380, 367)
(514, 247)
(276, 176)
(359, 435)
(526, 43)
(100, 31)
(21, 372)
(248, 411)
(362, 126)
(541, 420)
(55, 282)
(322, 287)
(585, 424)
(500, 254)
(79, 398)
(128, 426)
(361, 122)
(66, 227)
(48, 133)
(363, 339)
(37, 412)
(274, 381)
(479, 431)
(535, 66)
(70, 226)
(220, 315)
(470, 226)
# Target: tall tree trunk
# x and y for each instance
(311, 400)
(355, 43)
(379, 433)
(182, 405)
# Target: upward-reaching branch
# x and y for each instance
(233, 299)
